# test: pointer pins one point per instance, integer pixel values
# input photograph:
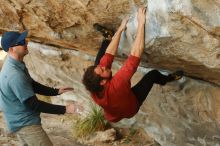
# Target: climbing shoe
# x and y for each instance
(107, 33)
(177, 75)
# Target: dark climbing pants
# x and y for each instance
(102, 50)
(143, 87)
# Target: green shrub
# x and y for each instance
(94, 121)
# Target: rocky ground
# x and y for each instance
(59, 129)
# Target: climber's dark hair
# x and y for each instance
(91, 80)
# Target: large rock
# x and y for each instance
(66, 23)
(179, 35)
(109, 135)
(184, 113)
(182, 35)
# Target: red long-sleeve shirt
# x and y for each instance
(117, 99)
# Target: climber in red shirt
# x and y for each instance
(114, 93)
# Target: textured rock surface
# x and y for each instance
(105, 136)
(179, 34)
(60, 136)
(184, 113)
(64, 22)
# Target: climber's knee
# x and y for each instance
(153, 73)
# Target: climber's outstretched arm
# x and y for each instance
(113, 46)
(138, 46)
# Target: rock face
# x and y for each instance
(105, 136)
(184, 113)
(179, 35)
(65, 23)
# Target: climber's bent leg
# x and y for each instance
(143, 87)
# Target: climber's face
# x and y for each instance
(104, 72)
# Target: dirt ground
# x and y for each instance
(59, 129)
